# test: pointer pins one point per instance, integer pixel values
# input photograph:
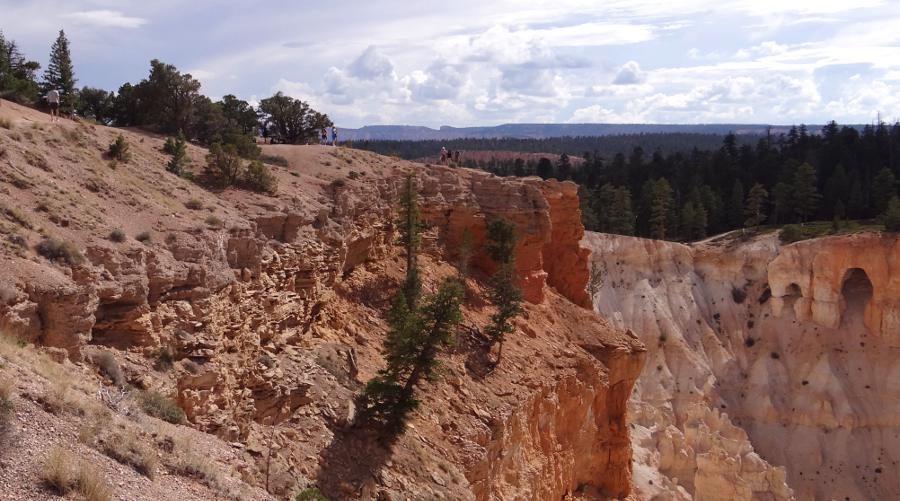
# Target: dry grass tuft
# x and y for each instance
(63, 251)
(6, 387)
(63, 474)
(126, 448)
(7, 413)
(6, 123)
(57, 472)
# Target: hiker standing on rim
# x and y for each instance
(333, 135)
(443, 155)
(53, 100)
(323, 136)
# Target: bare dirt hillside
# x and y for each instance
(130, 296)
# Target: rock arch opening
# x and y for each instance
(792, 294)
(856, 291)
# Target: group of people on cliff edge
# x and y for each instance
(323, 136)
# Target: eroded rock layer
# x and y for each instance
(263, 315)
(771, 370)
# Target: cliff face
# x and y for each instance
(273, 313)
(769, 367)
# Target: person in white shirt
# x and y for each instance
(53, 101)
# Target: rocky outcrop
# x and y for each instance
(264, 322)
(821, 271)
(755, 387)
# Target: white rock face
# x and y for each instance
(750, 392)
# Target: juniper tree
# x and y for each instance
(503, 291)
(60, 74)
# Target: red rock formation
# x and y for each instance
(276, 319)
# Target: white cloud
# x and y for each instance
(106, 18)
(629, 74)
(370, 65)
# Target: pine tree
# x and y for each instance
(178, 149)
(693, 221)
(621, 216)
(891, 216)
(60, 74)
(464, 255)
(588, 216)
(503, 291)
(544, 168)
(410, 226)
(17, 74)
(884, 187)
(660, 205)
(855, 201)
(417, 331)
(805, 194)
(736, 204)
(412, 346)
(754, 208)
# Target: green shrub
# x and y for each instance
(244, 145)
(159, 406)
(738, 295)
(118, 150)
(258, 177)
(891, 216)
(194, 204)
(310, 494)
(144, 237)
(791, 233)
(164, 360)
(117, 235)
(62, 251)
(223, 164)
(275, 160)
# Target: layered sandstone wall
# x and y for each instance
(754, 387)
(275, 316)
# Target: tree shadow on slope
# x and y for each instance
(351, 463)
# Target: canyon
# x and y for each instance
(261, 316)
(771, 370)
(732, 368)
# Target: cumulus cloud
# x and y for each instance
(441, 80)
(629, 74)
(106, 18)
(501, 46)
(371, 64)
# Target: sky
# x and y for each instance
(477, 62)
